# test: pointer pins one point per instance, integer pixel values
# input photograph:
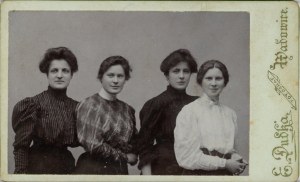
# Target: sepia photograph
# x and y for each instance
(161, 93)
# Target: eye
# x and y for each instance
(219, 78)
(110, 75)
(53, 70)
(121, 76)
(186, 71)
(176, 71)
(65, 70)
(208, 78)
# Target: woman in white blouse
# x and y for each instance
(205, 129)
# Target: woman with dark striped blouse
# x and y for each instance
(106, 125)
(47, 120)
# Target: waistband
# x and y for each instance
(216, 153)
(99, 157)
(49, 146)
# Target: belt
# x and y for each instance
(215, 153)
(48, 146)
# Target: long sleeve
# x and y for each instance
(23, 121)
(106, 128)
(149, 117)
(187, 144)
(91, 136)
(132, 145)
(235, 131)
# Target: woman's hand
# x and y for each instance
(235, 167)
(236, 157)
(131, 158)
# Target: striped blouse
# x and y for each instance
(106, 128)
(46, 119)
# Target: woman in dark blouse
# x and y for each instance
(106, 125)
(47, 119)
(158, 116)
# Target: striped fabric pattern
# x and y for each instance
(46, 119)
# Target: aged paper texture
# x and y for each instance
(258, 42)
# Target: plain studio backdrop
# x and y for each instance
(144, 39)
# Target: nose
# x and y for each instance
(59, 74)
(213, 82)
(181, 75)
(115, 79)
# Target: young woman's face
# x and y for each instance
(179, 76)
(113, 79)
(213, 82)
(59, 74)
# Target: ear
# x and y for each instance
(167, 77)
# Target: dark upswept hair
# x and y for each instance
(111, 61)
(58, 53)
(180, 55)
(209, 65)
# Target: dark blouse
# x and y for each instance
(106, 128)
(46, 119)
(158, 119)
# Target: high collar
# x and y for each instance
(107, 100)
(208, 100)
(57, 93)
(175, 91)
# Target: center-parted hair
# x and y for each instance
(111, 61)
(58, 53)
(210, 64)
(180, 55)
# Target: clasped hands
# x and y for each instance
(236, 164)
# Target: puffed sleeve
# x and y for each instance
(149, 117)
(23, 121)
(187, 144)
(91, 131)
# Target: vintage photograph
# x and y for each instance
(132, 73)
(141, 92)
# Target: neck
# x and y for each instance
(57, 92)
(214, 99)
(107, 95)
(172, 89)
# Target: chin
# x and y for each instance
(59, 87)
(180, 87)
(114, 92)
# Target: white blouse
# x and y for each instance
(204, 124)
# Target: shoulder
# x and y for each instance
(24, 109)
(229, 111)
(23, 104)
(72, 101)
(158, 101)
(189, 112)
(191, 106)
(29, 102)
(125, 105)
(90, 100)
